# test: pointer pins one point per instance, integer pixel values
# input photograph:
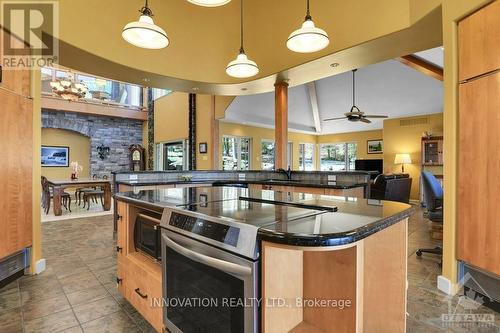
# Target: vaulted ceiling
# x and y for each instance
(388, 88)
(204, 40)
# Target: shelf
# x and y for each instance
(305, 327)
(433, 164)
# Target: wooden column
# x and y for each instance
(281, 124)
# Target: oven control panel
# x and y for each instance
(216, 231)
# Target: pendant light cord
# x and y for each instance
(145, 10)
(241, 28)
(354, 87)
(308, 13)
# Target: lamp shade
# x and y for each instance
(242, 67)
(209, 3)
(402, 159)
(308, 38)
(145, 34)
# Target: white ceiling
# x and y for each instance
(434, 56)
(388, 88)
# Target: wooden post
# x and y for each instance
(281, 125)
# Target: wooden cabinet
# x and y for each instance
(139, 277)
(478, 172)
(432, 151)
(16, 192)
(479, 42)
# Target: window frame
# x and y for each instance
(302, 155)
(238, 140)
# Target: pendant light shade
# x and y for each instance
(210, 3)
(144, 33)
(308, 38)
(242, 67)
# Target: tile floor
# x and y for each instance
(77, 291)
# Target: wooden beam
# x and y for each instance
(281, 125)
(422, 66)
(313, 101)
(58, 104)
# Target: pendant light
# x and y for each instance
(144, 33)
(242, 67)
(308, 38)
(210, 3)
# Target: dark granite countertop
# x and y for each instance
(208, 182)
(355, 218)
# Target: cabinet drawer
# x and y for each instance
(141, 289)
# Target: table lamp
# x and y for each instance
(402, 159)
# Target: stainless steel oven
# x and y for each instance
(207, 289)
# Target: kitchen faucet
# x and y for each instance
(287, 172)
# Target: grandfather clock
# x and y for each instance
(136, 157)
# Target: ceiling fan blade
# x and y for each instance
(365, 120)
(329, 119)
(375, 116)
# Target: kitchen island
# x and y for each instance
(327, 263)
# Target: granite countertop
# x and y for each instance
(353, 220)
(299, 183)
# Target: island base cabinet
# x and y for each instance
(359, 287)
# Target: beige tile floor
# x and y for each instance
(77, 291)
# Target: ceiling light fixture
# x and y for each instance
(210, 3)
(242, 67)
(144, 33)
(68, 89)
(308, 38)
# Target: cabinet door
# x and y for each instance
(478, 173)
(121, 232)
(16, 168)
(479, 42)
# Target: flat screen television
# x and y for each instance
(370, 165)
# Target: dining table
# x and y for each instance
(59, 185)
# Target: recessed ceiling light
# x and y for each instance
(146, 79)
(196, 88)
(244, 89)
(335, 64)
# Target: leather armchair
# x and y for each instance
(393, 187)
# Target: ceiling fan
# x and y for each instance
(355, 114)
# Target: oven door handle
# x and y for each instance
(222, 265)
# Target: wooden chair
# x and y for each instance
(47, 196)
(94, 195)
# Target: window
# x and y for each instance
(267, 154)
(306, 156)
(338, 156)
(235, 153)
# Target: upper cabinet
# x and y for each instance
(479, 42)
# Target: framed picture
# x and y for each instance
(203, 148)
(54, 156)
(375, 146)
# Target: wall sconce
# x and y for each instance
(103, 151)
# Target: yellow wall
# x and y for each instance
(408, 139)
(79, 151)
(360, 138)
(258, 134)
